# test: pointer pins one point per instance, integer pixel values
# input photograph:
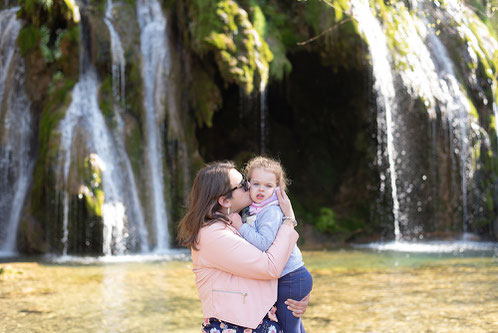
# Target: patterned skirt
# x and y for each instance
(269, 324)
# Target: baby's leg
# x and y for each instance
(294, 285)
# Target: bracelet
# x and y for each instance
(293, 220)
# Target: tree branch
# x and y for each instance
(324, 32)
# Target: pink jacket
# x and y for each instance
(237, 282)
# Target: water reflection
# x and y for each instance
(455, 247)
(355, 290)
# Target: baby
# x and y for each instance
(262, 222)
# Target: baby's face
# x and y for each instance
(263, 184)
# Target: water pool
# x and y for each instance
(355, 290)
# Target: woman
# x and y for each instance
(237, 283)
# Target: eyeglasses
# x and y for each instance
(244, 184)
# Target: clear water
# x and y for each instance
(355, 290)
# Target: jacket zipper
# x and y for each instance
(233, 292)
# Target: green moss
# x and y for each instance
(91, 189)
(28, 40)
(395, 18)
(222, 42)
(134, 147)
(277, 29)
(53, 113)
(54, 13)
(98, 6)
(206, 97)
(106, 97)
(473, 110)
(47, 23)
(319, 16)
(134, 86)
(224, 29)
(258, 19)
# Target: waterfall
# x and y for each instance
(384, 86)
(264, 73)
(121, 213)
(456, 107)
(118, 61)
(262, 119)
(118, 89)
(9, 30)
(16, 133)
(495, 111)
(430, 74)
(156, 67)
(427, 73)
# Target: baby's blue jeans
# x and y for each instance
(294, 285)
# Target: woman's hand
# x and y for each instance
(284, 203)
(236, 220)
(298, 308)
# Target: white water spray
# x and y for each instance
(121, 212)
(15, 133)
(156, 67)
(371, 29)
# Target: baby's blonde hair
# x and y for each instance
(268, 164)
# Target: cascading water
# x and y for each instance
(121, 213)
(430, 74)
(495, 110)
(156, 67)
(427, 73)
(384, 86)
(264, 75)
(15, 133)
(457, 109)
(262, 120)
(118, 66)
(118, 89)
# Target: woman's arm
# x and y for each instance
(220, 247)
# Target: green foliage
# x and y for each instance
(326, 221)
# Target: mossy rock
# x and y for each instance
(223, 28)
(91, 189)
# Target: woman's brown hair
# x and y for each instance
(210, 183)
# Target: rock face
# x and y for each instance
(128, 99)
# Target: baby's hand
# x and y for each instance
(285, 203)
(236, 220)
